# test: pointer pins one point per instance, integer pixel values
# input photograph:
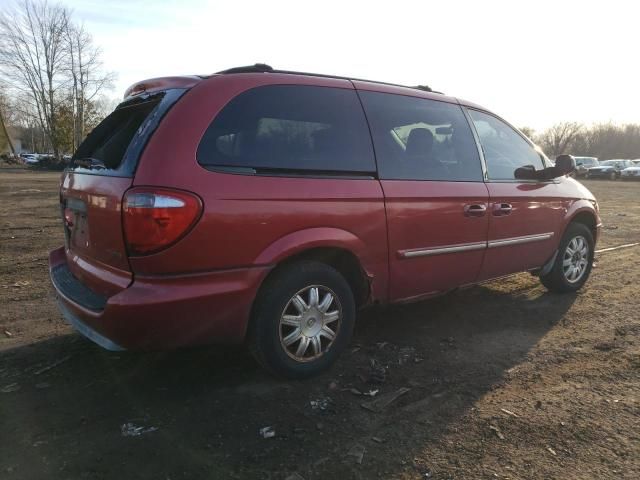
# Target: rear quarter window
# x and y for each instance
(290, 129)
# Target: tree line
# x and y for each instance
(51, 77)
(603, 140)
(52, 82)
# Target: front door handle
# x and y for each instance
(475, 210)
(501, 209)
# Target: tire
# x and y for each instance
(278, 317)
(561, 278)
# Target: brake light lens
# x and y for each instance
(155, 219)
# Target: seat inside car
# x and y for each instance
(419, 145)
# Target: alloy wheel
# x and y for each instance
(310, 323)
(575, 259)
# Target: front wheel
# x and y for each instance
(303, 318)
(573, 262)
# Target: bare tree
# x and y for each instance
(559, 138)
(4, 132)
(23, 116)
(87, 78)
(32, 55)
(528, 131)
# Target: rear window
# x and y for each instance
(106, 146)
(290, 128)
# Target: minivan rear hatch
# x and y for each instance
(93, 187)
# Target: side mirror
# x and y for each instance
(565, 164)
(528, 172)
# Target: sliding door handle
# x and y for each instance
(501, 209)
(475, 210)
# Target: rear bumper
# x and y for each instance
(162, 312)
(86, 330)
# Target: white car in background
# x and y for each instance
(30, 158)
(631, 173)
(583, 164)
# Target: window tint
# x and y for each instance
(420, 139)
(504, 149)
(105, 147)
(290, 127)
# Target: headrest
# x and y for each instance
(419, 142)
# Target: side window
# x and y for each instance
(290, 127)
(420, 139)
(505, 151)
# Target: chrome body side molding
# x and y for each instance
(424, 252)
(519, 240)
(468, 247)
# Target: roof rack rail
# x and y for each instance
(255, 68)
(264, 68)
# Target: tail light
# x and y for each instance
(155, 218)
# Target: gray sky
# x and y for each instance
(535, 63)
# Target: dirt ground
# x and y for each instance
(505, 380)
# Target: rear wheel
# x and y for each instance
(574, 261)
(303, 318)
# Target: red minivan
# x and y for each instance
(267, 207)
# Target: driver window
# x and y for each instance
(507, 154)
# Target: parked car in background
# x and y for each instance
(583, 164)
(609, 169)
(631, 173)
(30, 158)
(248, 206)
